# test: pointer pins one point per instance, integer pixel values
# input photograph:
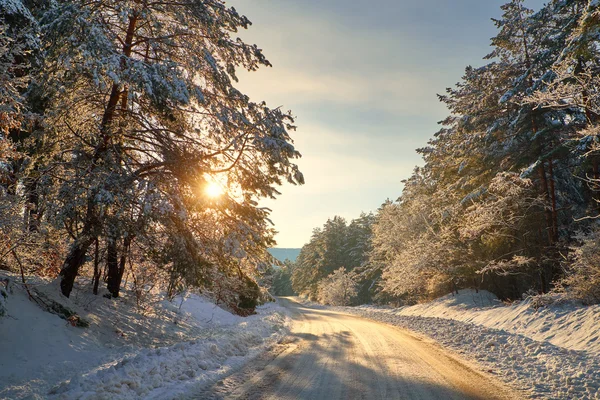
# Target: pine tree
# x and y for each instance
(143, 105)
(282, 280)
(492, 133)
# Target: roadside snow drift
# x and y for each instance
(568, 324)
(167, 372)
(160, 352)
(551, 353)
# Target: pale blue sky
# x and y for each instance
(361, 77)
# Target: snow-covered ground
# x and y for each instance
(550, 353)
(564, 324)
(160, 352)
(173, 348)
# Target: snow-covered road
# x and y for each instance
(333, 355)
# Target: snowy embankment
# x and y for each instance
(550, 353)
(162, 352)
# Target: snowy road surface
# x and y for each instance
(332, 355)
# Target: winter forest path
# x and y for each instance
(332, 355)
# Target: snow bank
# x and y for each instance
(203, 311)
(539, 369)
(127, 353)
(37, 347)
(569, 325)
(540, 352)
(168, 372)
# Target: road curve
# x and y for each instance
(332, 355)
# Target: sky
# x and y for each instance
(362, 78)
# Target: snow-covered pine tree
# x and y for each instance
(572, 90)
(336, 245)
(339, 288)
(145, 113)
(490, 132)
(19, 55)
(358, 240)
(308, 265)
(571, 86)
(282, 280)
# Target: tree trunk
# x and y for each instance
(543, 281)
(545, 192)
(116, 266)
(70, 268)
(124, 253)
(33, 220)
(96, 279)
(30, 214)
(76, 256)
(553, 201)
(112, 266)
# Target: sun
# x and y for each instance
(213, 190)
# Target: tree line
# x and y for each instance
(508, 197)
(114, 118)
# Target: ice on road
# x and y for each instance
(333, 355)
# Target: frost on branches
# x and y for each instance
(512, 175)
(583, 274)
(336, 247)
(339, 288)
(114, 131)
(146, 114)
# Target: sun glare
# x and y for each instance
(213, 190)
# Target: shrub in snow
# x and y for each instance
(265, 296)
(4, 282)
(3, 296)
(583, 275)
(538, 300)
(339, 288)
(239, 294)
(249, 296)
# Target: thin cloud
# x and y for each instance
(362, 78)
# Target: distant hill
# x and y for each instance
(283, 254)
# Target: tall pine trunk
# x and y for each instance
(70, 268)
(116, 265)
(544, 189)
(112, 266)
(96, 279)
(76, 256)
(30, 212)
(553, 200)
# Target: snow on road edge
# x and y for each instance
(564, 323)
(170, 372)
(539, 369)
(128, 352)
